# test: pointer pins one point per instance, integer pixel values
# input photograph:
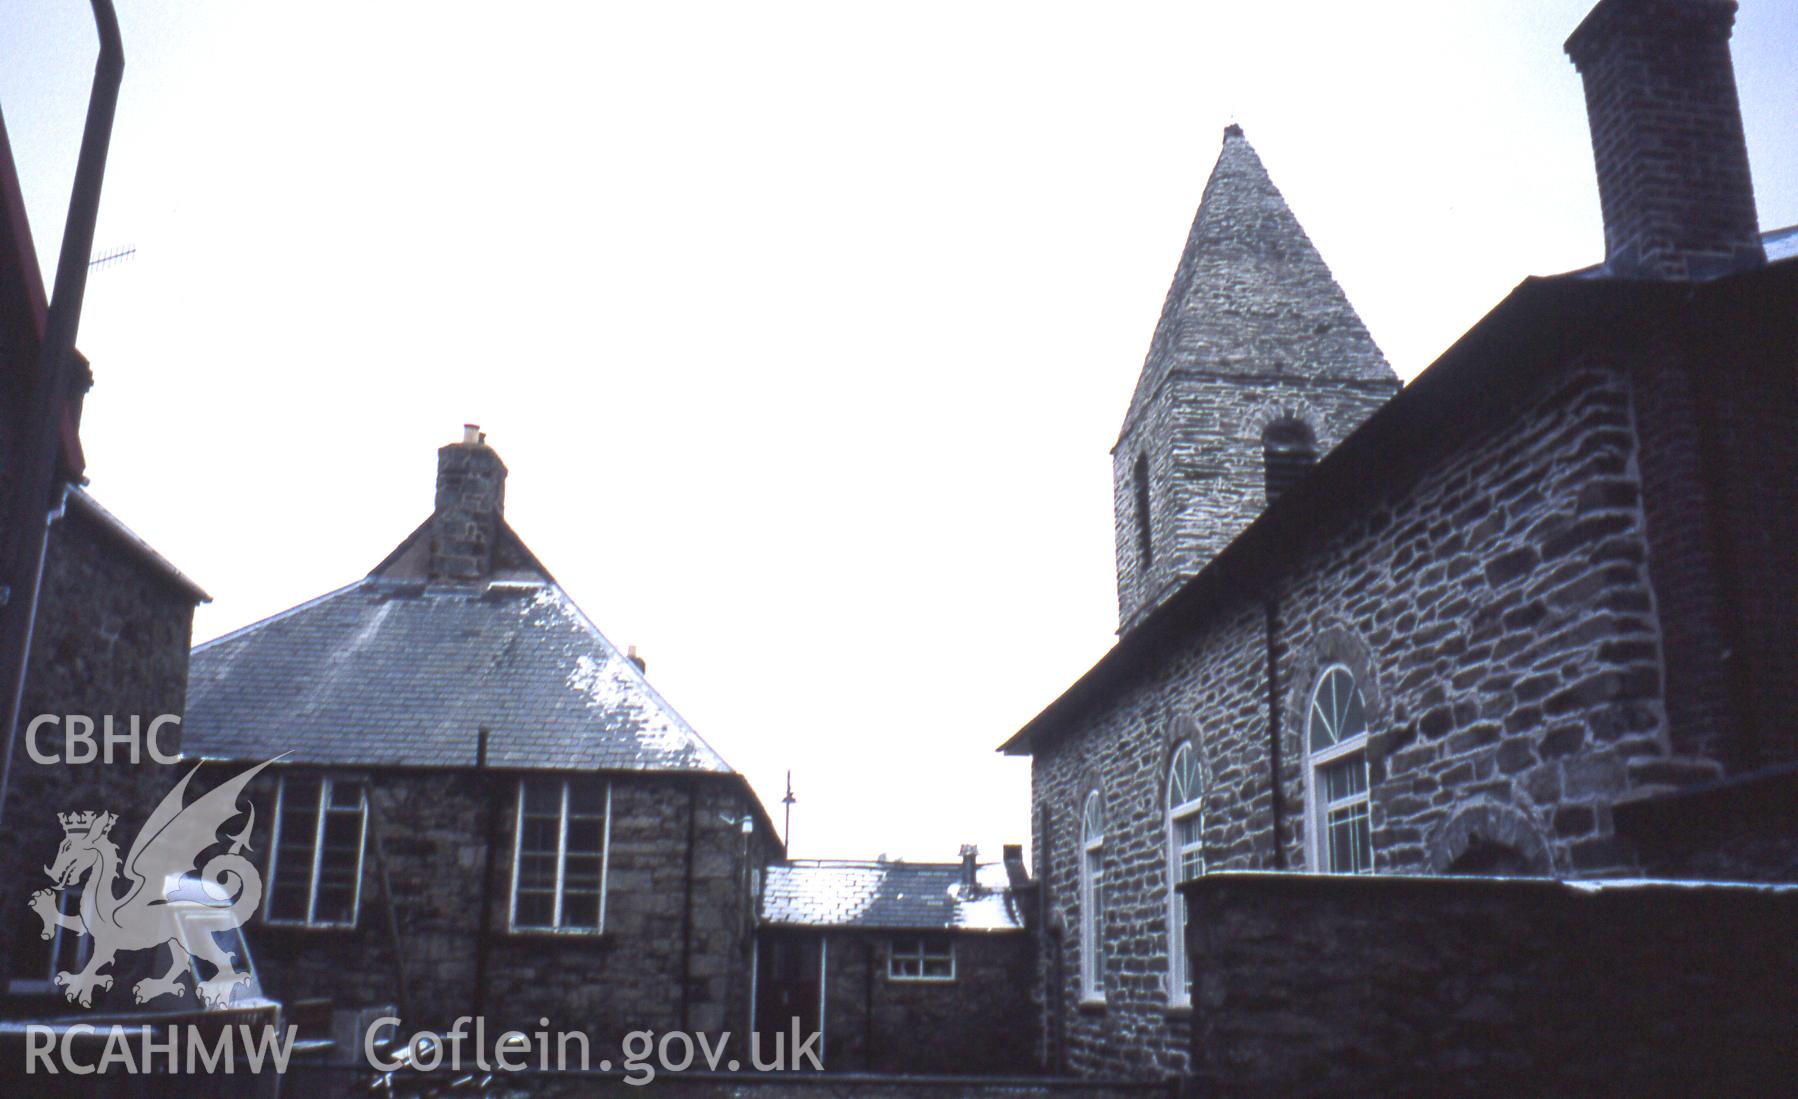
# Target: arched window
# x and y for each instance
(1288, 449)
(1092, 899)
(1185, 861)
(1341, 839)
(1145, 531)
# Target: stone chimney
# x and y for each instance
(1667, 138)
(471, 498)
(970, 878)
(1014, 866)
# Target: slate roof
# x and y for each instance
(400, 672)
(1539, 326)
(901, 896)
(1251, 294)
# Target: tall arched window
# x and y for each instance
(1185, 861)
(1336, 751)
(1092, 898)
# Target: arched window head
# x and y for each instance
(1185, 860)
(1288, 449)
(1092, 820)
(1337, 790)
(1092, 898)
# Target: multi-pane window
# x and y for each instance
(1186, 861)
(1336, 740)
(1092, 898)
(315, 871)
(560, 856)
(924, 958)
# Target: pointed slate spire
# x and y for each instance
(1251, 294)
(1258, 362)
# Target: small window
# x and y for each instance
(1288, 450)
(561, 855)
(315, 870)
(925, 958)
(1186, 861)
(1145, 542)
(1092, 899)
(1336, 742)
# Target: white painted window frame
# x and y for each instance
(1179, 994)
(325, 784)
(1092, 884)
(921, 955)
(605, 866)
(1317, 810)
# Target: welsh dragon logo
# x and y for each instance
(130, 907)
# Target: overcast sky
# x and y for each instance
(804, 329)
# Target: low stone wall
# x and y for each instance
(1319, 985)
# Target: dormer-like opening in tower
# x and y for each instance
(1288, 449)
(1145, 540)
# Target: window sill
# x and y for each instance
(1092, 1007)
(560, 935)
(920, 980)
(302, 926)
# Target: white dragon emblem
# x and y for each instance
(144, 917)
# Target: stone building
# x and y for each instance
(906, 967)
(481, 806)
(110, 637)
(1529, 616)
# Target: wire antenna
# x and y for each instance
(112, 258)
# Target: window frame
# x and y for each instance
(1191, 807)
(323, 810)
(605, 862)
(923, 955)
(1319, 850)
(1092, 899)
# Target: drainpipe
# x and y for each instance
(686, 921)
(483, 937)
(37, 496)
(1273, 728)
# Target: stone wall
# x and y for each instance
(111, 639)
(430, 829)
(981, 1022)
(1343, 986)
(1202, 437)
(1497, 614)
(1496, 609)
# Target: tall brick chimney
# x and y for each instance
(471, 497)
(1667, 138)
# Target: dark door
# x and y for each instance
(787, 988)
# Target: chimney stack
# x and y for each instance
(471, 497)
(1014, 866)
(969, 868)
(1667, 138)
(637, 659)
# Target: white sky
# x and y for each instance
(804, 329)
